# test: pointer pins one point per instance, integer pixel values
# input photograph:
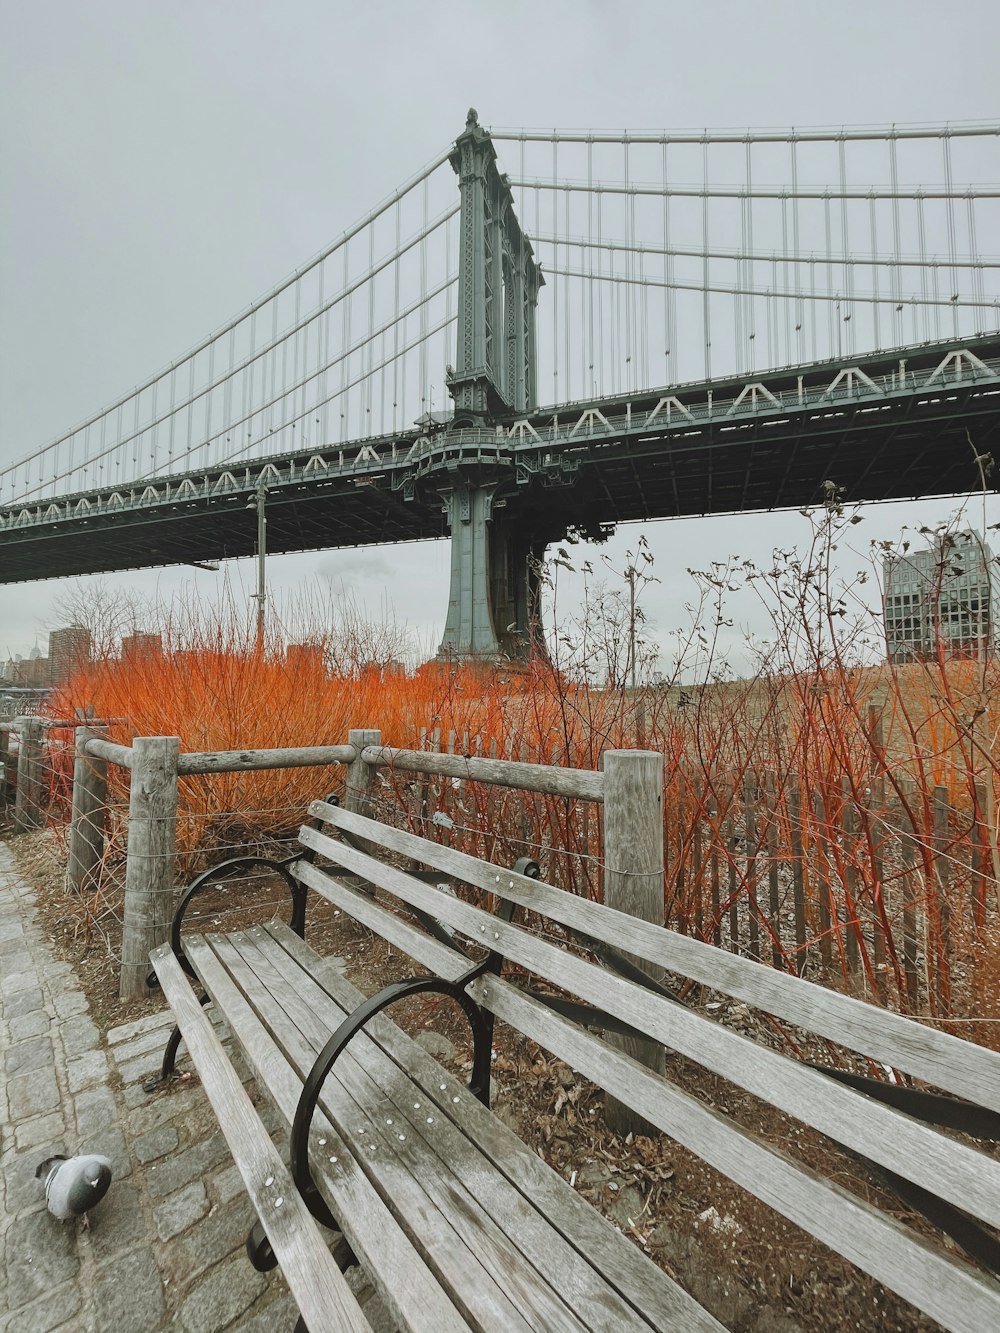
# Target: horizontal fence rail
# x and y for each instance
(581, 783)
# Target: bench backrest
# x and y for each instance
(963, 1181)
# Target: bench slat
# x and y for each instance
(947, 1289)
(482, 1271)
(663, 1303)
(938, 1058)
(414, 1299)
(964, 1176)
(326, 1301)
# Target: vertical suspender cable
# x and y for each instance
(555, 264)
(799, 305)
(873, 239)
(424, 386)
(667, 274)
(589, 377)
(922, 244)
(345, 343)
(705, 295)
(396, 328)
(896, 272)
(567, 362)
(831, 311)
(847, 316)
(952, 246)
(370, 388)
(750, 266)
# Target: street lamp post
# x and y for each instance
(260, 596)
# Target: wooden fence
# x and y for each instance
(893, 896)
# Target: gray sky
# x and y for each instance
(162, 165)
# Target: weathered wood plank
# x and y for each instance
(98, 748)
(251, 761)
(320, 1290)
(621, 1263)
(485, 1275)
(660, 1300)
(633, 879)
(945, 1061)
(504, 1234)
(149, 872)
(967, 1178)
(579, 782)
(413, 1296)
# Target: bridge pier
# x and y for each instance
(495, 556)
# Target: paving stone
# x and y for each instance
(163, 1107)
(126, 1031)
(24, 1002)
(30, 1025)
(129, 1294)
(87, 1069)
(95, 1109)
(70, 1003)
(25, 1056)
(13, 982)
(110, 1143)
(219, 1234)
(79, 1035)
(117, 1222)
(23, 1190)
(181, 1210)
(32, 1094)
(41, 1253)
(228, 1184)
(11, 932)
(139, 1069)
(18, 960)
(164, 1177)
(57, 1309)
(41, 1129)
(141, 1045)
(275, 1316)
(157, 1143)
(221, 1296)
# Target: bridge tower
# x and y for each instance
(498, 530)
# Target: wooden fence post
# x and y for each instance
(359, 780)
(4, 755)
(633, 880)
(86, 832)
(28, 801)
(152, 844)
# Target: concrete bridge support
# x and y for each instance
(495, 554)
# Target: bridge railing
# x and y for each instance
(680, 406)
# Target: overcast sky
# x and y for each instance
(162, 165)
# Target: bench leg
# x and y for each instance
(170, 1055)
(262, 1256)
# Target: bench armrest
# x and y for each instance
(296, 891)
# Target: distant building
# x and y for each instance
(947, 595)
(69, 650)
(33, 672)
(141, 647)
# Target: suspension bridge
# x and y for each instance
(719, 322)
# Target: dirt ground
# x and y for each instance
(754, 1270)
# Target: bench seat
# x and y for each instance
(456, 1221)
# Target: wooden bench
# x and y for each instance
(458, 1223)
